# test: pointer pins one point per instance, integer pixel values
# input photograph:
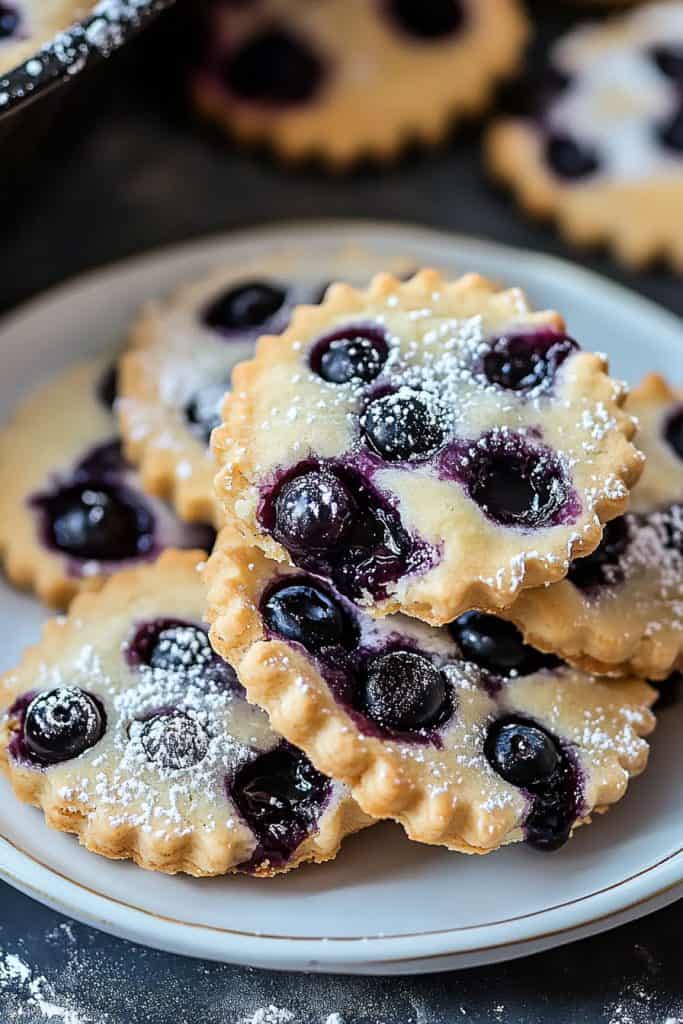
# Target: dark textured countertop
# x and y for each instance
(135, 172)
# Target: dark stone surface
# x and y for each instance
(136, 172)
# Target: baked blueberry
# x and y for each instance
(356, 352)
(673, 432)
(172, 645)
(498, 646)
(314, 510)
(522, 753)
(203, 411)
(61, 723)
(98, 521)
(669, 60)
(602, 566)
(104, 461)
(247, 305)
(108, 386)
(302, 611)
(174, 739)
(273, 67)
(10, 20)
(671, 132)
(526, 362)
(428, 19)
(516, 484)
(404, 692)
(405, 425)
(280, 795)
(570, 158)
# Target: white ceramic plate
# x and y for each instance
(385, 905)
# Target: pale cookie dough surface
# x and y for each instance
(461, 755)
(180, 354)
(344, 79)
(430, 446)
(621, 609)
(147, 748)
(604, 153)
(72, 511)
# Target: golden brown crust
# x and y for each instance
(443, 795)
(383, 90)
(102, 797)
(480, 565)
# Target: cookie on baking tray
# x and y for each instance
(466, 736)
(347, 79)
(429, 447)
(126, 729)
(620, 610)
(72, 510)
(602, 151)
(181, 351)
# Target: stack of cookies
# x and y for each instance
(446, 565)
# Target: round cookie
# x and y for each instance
(72, 510)
(602, 151)
(430, 446)
(507, 746)
(620, 610)
(181, 351)
(347, 79)
(125, 728)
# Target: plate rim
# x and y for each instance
(655, 885)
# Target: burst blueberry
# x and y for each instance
(97, 521)
(570, 158)
(526, 362)
(402, 426)
(428, 19)
(173, 645)
(61, 724)
(498, 646)
(602, 565)
(247, 305)
(404, 692)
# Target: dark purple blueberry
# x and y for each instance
(99, 521)
(525, 362)
(10, 20)
(372, 547)
(106, 460)
(673, 432)
(602, 565)
(405, 425)
(428, 19)
(570, 158)
(356, 352)
(273, 67)
(314, 510)
(247, 305)
(174, 740)
(203, 411)
(404, 692)
(108, 386)
(172, 645)
(522, 753)
(516, 484)
(307, 614)
(527, 755)
(498, 646)
(61, 724)
(280, 795)
(671, 132)
(669, 60)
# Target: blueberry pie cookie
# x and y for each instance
(126, 729)
(345, 79)
(602, 151)
(429, 447)
(180, 355)
(620, 609)
(465, 735)
(72, 510)
(25, 25)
